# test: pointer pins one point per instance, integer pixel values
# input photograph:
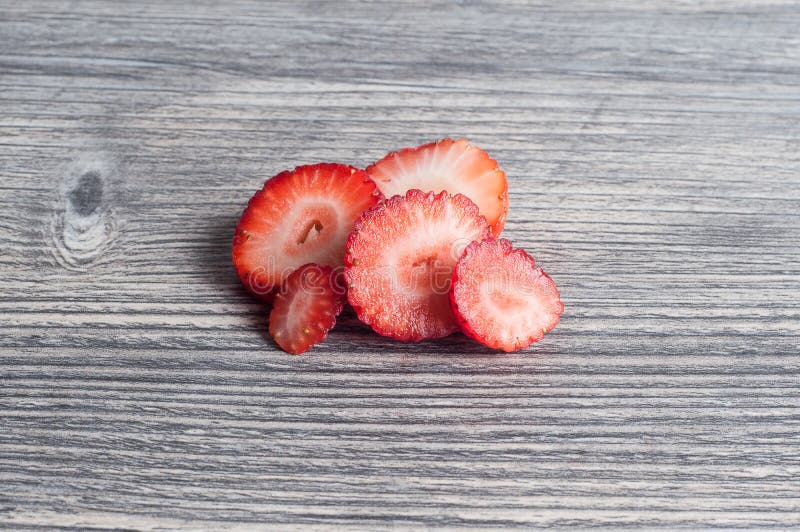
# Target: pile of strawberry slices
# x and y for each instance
(411, 243)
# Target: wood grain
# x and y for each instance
(652, 154)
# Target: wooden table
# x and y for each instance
(652, 156)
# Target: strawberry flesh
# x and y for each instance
(501, 298)
(399, 262)
(305, 307)
(454, 166)
(299, 216)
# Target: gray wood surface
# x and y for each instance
(653, 156)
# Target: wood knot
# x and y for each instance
(84, 225)
(87, 194)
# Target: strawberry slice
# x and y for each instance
(399, 262)
(300, 216)
(305, 308)
(501, 298)
(452, 165)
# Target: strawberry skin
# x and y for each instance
(500, 298)
(399, 262)
(455, 166)
(299, 216)
(305, 308)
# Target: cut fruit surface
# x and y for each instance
(305, 308)
(399, 262)
(501, 298)
(455, 166)
(299, 216)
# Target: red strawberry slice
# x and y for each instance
(300, 216)
(400, 258)
(452, 165)
(501, 298)
(305, 308)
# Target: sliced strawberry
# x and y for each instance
(452, 165)
(300, 216)
(501, 298)
(305, 308)
(399, 262)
